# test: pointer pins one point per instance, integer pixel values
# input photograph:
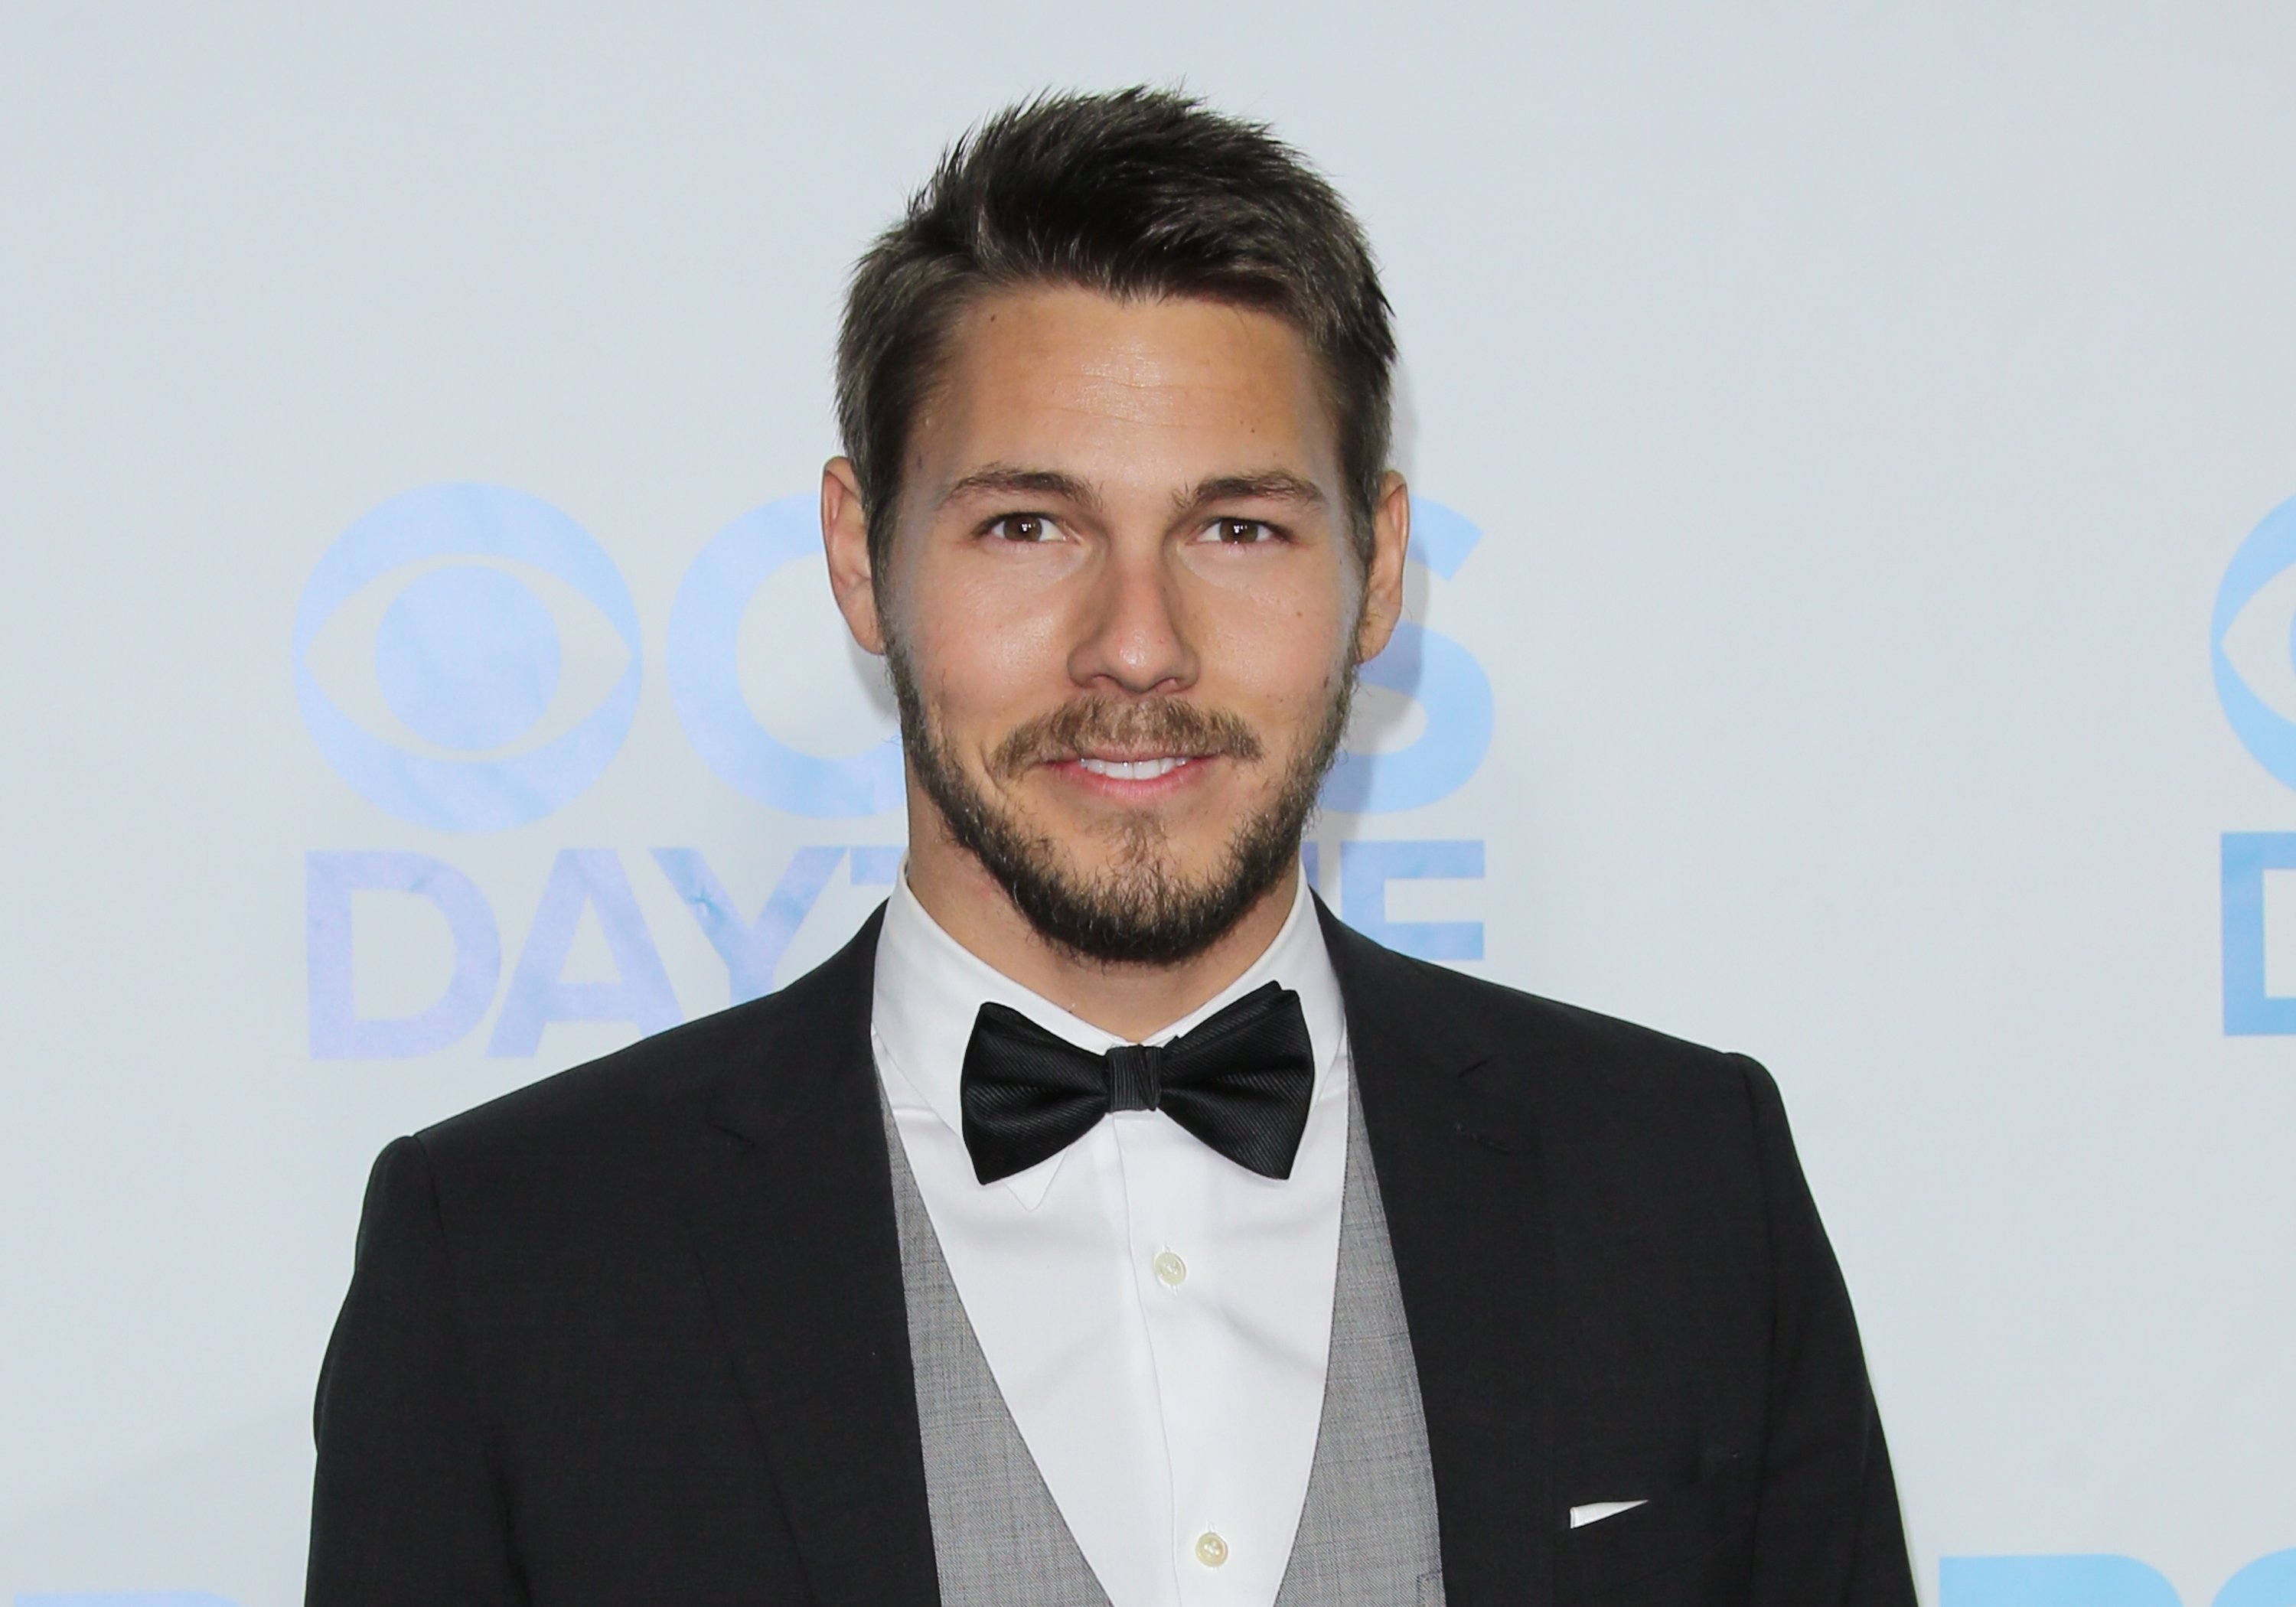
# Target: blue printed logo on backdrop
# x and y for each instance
(465, 728)
(2252, 653)
(2099, 1580)
(705, 625)
(1438, 674)
(432, 665)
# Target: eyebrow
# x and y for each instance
(1007, 479)
(1010, 480)
(1270, 485)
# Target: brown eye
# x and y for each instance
(1024, 527)
(1241, 532)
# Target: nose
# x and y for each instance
(1134, 637)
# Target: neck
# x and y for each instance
(1129, 1000)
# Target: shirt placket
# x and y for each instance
(1175, 1270)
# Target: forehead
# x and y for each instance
(1144, 391)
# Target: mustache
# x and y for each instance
(1166, 723)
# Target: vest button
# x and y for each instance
(1171, 1272)
(1211, 1551)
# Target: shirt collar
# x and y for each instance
(930, 987)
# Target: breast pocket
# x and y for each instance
(1687, 1546)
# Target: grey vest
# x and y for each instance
(1367, 1535)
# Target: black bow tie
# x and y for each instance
(1240, 1081)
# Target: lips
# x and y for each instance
(1132, 769)
(1125, 743)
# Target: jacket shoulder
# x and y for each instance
(1517, 1035)
(1597, 1076)
(665, 1078)
(618, 1104)
(1626, 1113)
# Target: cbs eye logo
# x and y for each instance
(2252, 642)
(726, 583)
(469, 658)
(467, 712)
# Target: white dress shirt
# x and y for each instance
(1157, 1317)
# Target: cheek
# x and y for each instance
(981, 656)
(1284, 653)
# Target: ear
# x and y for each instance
(845, 537)
(1390, 538)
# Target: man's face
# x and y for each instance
(1123, 610)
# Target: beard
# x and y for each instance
(1142, 909)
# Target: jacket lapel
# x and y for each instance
(1456, 1155)
(791, 1213)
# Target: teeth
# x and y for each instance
(1131, 769)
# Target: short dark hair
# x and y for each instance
(1137, 193)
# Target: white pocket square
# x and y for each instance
(1595, 1511)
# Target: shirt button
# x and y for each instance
(1172, 1272)
(1211, 1551)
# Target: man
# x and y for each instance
(1106, 1223)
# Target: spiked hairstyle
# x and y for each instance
(1138, 193)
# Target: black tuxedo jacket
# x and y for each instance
(636, 1334)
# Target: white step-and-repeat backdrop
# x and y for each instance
(1852, 627)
